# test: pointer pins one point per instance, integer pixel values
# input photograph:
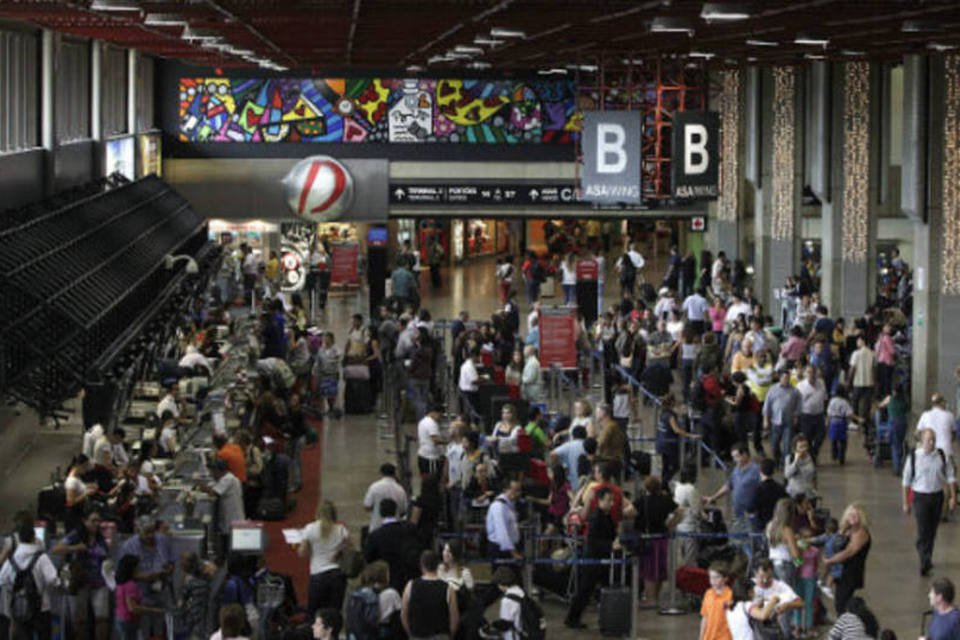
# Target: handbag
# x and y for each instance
(356, 372)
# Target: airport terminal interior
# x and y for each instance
(382, 319)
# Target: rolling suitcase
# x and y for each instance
(616, 602)
(693, 580)
(357, 398)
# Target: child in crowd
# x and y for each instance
(713, 610)
(621, 406)
(839, 414)
(832, 542)
(810, 555)
(328, 372)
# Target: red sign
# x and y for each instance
(588, 269)
(698, 223)
(346, 264)
(558, 337)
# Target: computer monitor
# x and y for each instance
(377, 236)
(247, 539)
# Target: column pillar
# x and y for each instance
(48, 112)
(725, 212)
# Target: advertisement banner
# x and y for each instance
(151, 162)
(695, 158)
(558, 337)
(611, 157)
(346, 263)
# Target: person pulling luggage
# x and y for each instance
(602, 540)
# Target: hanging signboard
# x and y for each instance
(611, 157)
(558, 337)
(504, 193)
(695, 158)
(346, 263)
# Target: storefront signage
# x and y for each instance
(695, 159)
(500, 194)
(319, 189)
(558, 337)
(611, 157)
(588, 269)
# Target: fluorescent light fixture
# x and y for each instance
(814, 56)
(703, 55)
(200, 34)
(487, 42)
(632, 62)
(551, 72)
(243, 53)
(470, 51)
(724, 11)
(671, 24)
(811, 40)
(498, 32)
(115, 5)
(414, 68)
(589, 68)
(921, 26)
(853, 53)
(437, 59)
(755, 42)
(453, 55)
(752, 59)
(941, 47)
(479, 65)
(164, 20)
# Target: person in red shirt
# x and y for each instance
(713, 399)
(233, 455)
(603, 477)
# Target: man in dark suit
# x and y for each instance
(396, 543)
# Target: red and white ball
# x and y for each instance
(319, 189)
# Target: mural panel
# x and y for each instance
(356, 110)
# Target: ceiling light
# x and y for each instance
(470, 51)
(414, 68)
(753, 42)
(921, 26)
(632, 61)
(671, 24)
(724, 11)
(479, 65)
(853, 53)
(939, 46)
(810, 40)
(752, 59)
(115, 5)
(243, 53)
(550, 72)
(453, 55)
(814, 56)
(200, 34)
(704, 55)
(498, 32)
(487, 42)
(164, 20)
(589, 68)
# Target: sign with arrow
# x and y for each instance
(484, 194)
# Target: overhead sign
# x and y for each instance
(319, 189)
(696, 159)
(499, 194)
(611, 157)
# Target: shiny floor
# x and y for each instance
(354, 448)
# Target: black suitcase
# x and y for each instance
(271, 509)
(52, 503)
(547, 577)
(616, 604)
(357, 398)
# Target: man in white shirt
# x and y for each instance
(533, 316)
(468, 384)
(171, 402)
(385, 488)
(696, 307)
(430, 443)
(813, 403)
(109, 451)
(455, 454)
(510, 619)
(502, 530)
(940, 421)
(863, 363)
(193, 358)
(229, 490)
(765, 586)
(738, 307)
(30, 554)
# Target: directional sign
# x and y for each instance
(698, 223)
(500, 194)
(696, 160)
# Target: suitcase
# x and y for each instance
(616, 604)
(357, 397)
(693, 580)
(269, 508)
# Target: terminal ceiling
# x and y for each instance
(500, 38)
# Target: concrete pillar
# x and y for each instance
(48, 111)
(132, 98)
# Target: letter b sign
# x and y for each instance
(611, 157)
(695, 155)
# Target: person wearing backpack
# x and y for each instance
(373, 609)
(929, 476)
(520, 616)
(29, 575)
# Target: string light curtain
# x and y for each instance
(731, 109)
(951, 178)
(856, 159)
(784, 143)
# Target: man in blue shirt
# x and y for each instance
(569, 453)
(742, 484)
(945, 624)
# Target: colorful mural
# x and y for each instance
(377, 110)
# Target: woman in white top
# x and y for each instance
(783, 541)
(507, 431)
(688, 502)
(452, 571)
(568, 279)
(531, 381)
(582, 416)
(324, 540)
(77, 491)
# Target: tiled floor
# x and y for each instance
(353, 450)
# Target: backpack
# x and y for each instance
(363, 615)
(533, 626)
(25, 601)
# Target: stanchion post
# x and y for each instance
(672, 608)
(634, 595)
